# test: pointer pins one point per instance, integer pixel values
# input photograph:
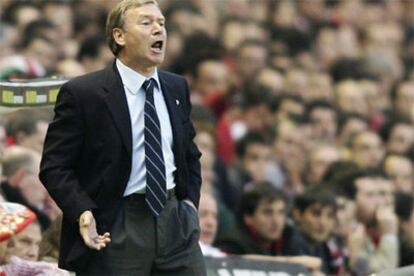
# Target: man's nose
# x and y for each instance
(33, 252)
(158, 29)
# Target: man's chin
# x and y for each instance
(156, 60)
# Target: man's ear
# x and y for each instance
(119, 36)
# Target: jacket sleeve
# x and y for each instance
(61, 152)
(192, 158)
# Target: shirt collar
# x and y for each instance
(133, 80)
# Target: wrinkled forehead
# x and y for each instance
(148, 10)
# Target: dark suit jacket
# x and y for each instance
(87, 154)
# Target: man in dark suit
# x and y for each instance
(120, 161)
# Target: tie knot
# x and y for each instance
(148, 85)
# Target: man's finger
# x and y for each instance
(95, 244)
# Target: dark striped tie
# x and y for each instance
(156, 189)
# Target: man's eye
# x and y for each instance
(145, 23)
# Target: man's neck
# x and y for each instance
(139, 68)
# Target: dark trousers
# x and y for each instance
(144, 245)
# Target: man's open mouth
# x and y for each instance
(157, 45)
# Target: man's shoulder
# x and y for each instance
(170, 76)
(88, 81)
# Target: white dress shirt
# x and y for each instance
(135, 95)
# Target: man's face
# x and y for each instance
(368, 199)
(212, 77)
(25, 244)
(404, 104)
(320, 87)
(317, 222)
(256, 160)
(351, 99)
(320, 160)
(401, 139)
(208, 219)
(401, 171)
(324, 123)
(289, 146)
(252, 59)
(367, 150)
(271, 79)
(268, 219)
(143, 36)
(42, 51)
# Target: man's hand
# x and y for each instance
(387, 221)
(87, 229)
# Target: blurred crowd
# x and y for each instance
(304, 112)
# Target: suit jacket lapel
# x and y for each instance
(116, 102)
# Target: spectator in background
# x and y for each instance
(262, 227)
(20, 236)
(319, 159)
(287, 105)
(349, 124)
(398, 136)
(22, 185)
(208, 216)
(345, 214)
(252, 56)
(211, 85)
(40, 48)
(320, 87)
(400, 169)
(208, 226)
(43, 28)
(94, 54)
(253, 152)
(367, 149)
(270, 79)
(15, 16)
(60, 13)
(296, 82)
(252, 113)
(323, 119)
(349, 98)
(373, 245)
(403, 100)
(23, 238)
(314, 214)
(289, 158)
(27, 127)
(404, 208)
